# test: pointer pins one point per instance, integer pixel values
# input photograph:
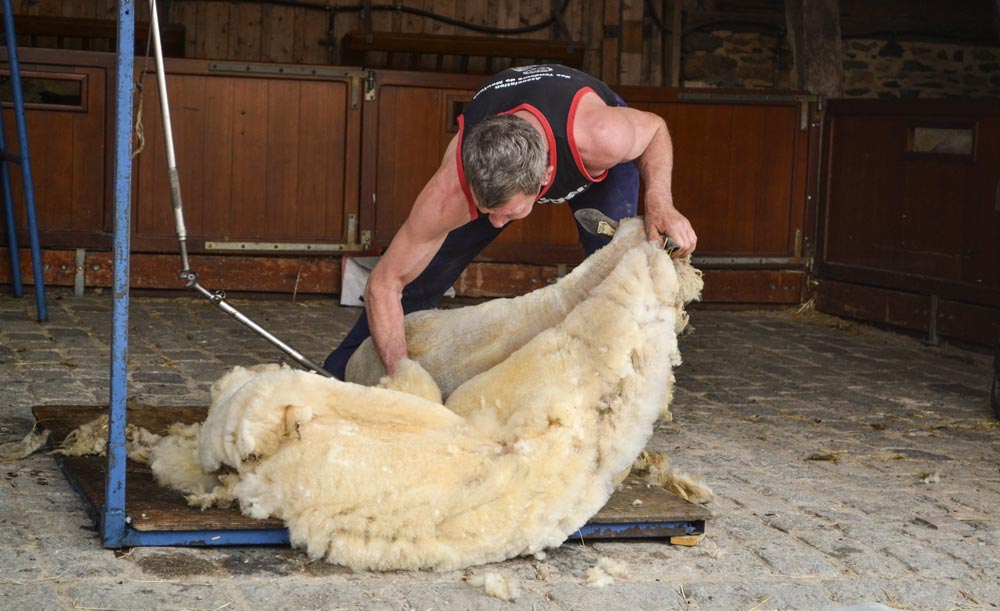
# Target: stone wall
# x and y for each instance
(736, 60)
(872, 68)
(907, 70)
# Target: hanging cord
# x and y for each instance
(140, 134)
(398, 7)
(656, 18)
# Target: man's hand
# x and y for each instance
(667, 221)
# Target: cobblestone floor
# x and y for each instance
(852, 465)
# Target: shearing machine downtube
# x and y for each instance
(187, 274)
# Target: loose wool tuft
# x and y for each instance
(548, 397)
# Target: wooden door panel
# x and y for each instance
(919, 228)
(733, 174)
(411, 141)
(930, 236)
(865, 153)
(262, 158)
(414, 131)
(217, 126)
(415, 126)
(65, 122)
(737, 169)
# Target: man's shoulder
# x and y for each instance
(442, 205)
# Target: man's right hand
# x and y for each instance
(439, 208)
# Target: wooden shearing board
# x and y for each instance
(150, 507)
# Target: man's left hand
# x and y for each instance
(669, 222)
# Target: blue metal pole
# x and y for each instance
(113, 525)
(8, 208)
(22, 143)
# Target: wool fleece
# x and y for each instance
(556, 393)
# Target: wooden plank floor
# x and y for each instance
(152, 507)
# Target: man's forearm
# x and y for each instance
(385, 320)
(656, 168)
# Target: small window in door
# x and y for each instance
(943, 140)
(45, 90)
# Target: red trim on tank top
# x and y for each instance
(572, 140)
(461, 170)
(549, 136)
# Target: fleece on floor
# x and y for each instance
(547, 398)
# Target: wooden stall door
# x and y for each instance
(267, 157)
(911, 220)
(65, 96)
(741, 162)
(740, 169)
(407, 127)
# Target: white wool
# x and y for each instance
(524, 451)
(604, 572)
(91, 438)
(174, 465)
(412, 379)
(656, 468)
(497, 585)
(712, 550)
(596, 578)
(615, 568)
(454, 345)
(14, 451)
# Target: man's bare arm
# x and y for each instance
(439, 208)
(608, 136)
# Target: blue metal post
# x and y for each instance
(8, 208)
(22, 144)
(113, 525)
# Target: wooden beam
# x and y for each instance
(172, 35)
(355, 44)
(611, 41)
(996, 19)
(814, 35)
(676, 38)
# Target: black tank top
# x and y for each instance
(551, 93)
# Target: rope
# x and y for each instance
(140, 134)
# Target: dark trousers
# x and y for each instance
(616, 196)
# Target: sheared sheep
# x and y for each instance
(548, 397)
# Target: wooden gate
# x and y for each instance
(911, 217)
(66, 97)
(267, 156)
(741, 174)
(285, 167)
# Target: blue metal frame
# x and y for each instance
(112, 518)
(24, 159)
(113, 521)
(113, 515)
(8, 208)
(639, 529)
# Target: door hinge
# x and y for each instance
(370, 86)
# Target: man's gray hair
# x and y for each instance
(501, 157)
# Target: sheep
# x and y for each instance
(501, 438)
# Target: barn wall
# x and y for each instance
(889, 69)
(725, 43)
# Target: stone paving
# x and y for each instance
(851, 465)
